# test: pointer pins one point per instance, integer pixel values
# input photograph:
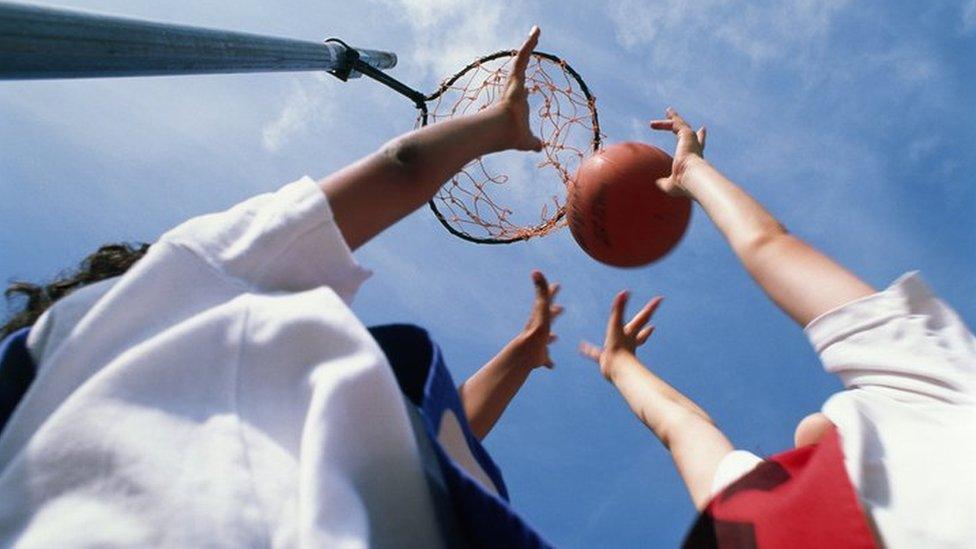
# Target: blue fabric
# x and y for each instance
(17, 371)
(484, 519)
(440, 396)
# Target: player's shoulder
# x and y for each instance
(319, 304)
(902, 344)
(314, 319)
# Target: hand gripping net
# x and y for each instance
(482, 203)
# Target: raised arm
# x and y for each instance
(379, 190)
(487, 393)
(802, 281)
(696, 445)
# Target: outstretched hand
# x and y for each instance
(537, 334)
(486, 393)
(515, 99)
(691, 144)
(621, 338)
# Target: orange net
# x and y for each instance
(498, 198)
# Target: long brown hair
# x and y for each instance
(108, 261)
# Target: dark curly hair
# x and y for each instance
(108, 261)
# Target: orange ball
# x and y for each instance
(617, 213)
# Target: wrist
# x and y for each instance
(616, 364)
(678, 419)
(496, 122)
(689, 173)
(520, 352)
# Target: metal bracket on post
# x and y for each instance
(347, 60)
(351, 63)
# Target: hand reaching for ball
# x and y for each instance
(690, 146)
(622, 339)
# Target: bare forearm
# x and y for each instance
(652, 400)
(697, 446)
(382, 188)
(743, 221)
(487, 393)
(802, 281)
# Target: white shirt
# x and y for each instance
(907, 419)
(220, 393)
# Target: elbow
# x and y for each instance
(756, 243)
(680, 421)
(402, 154)
(701, 500)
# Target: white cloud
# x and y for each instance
(968, 16)
(637, 129)
(428, 14)
(449, 34)
(306, 104)
(700, 44)
(909, 63)
(677, 30)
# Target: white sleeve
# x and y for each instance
(903, 342)
(733, 466)
(282, 241)
(315, 385)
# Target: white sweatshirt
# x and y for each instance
(907, 418)
(157, 417)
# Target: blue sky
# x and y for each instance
(853, 122)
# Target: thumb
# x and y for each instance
(534, 144)
(590, 351)
(541, 285)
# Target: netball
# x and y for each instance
(617, 213)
